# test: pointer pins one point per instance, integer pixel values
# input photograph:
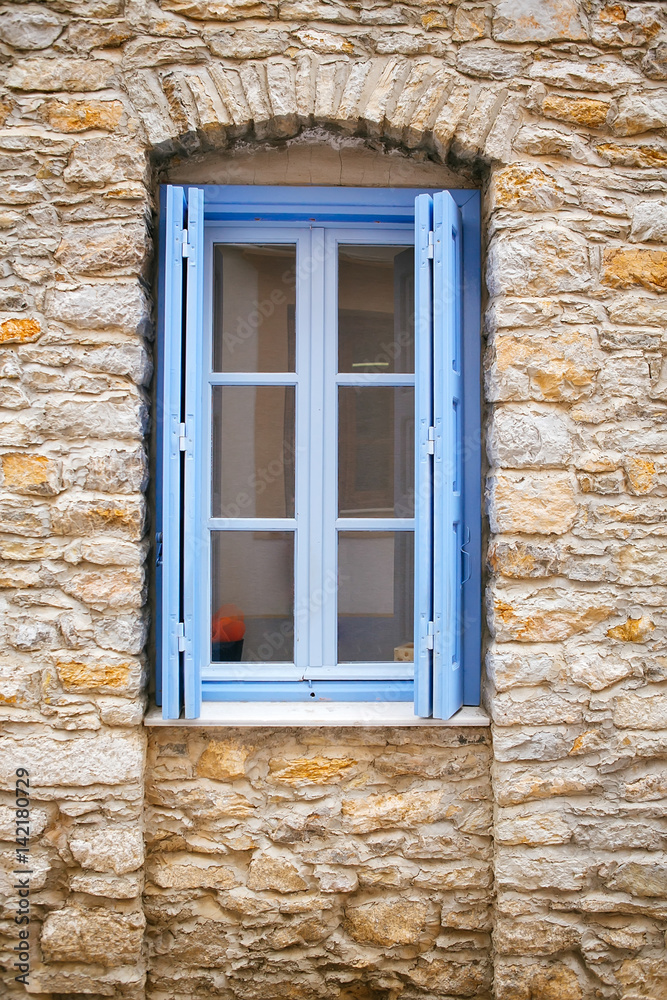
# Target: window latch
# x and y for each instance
(186, 248)
(430, 250)
(182, 438)
(158, 548)
(430, 635)
(181, 637)
(430, 442)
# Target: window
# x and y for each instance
(318, 461)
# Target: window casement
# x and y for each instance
(318, 447)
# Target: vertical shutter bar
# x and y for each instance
(194, 541)
(448, 501)
(168, 513)
(423, 656)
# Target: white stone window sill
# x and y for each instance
(341, 713)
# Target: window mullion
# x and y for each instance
(303, 446)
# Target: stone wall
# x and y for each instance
(558, 109)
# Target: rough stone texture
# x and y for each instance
(352, 865)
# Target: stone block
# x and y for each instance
(639, 154)
(121, 417)
(442, 977)
(546, 616)
(649, 223)
(537, 21)
(534, 936)
(19, 331)
(587, 111)
(61, 74)
(625, 268)
(534, 503)
(511, 667)
(190, 871)
(276, 874)
(377, 812)
(80, 116)
(103, 674)
(241, 43)
(523, 559)
(122, 633)
(636, 114)
(312, 770)
(114, 849)
(68, 760)
(639, 879)
(640, 711)
(31, 28)
(632, 630)
(103, 249)
(597, 74)
(119, 305)
(97, 162)
(100, 937)
(548, 982)
(489, 61)
(85, 517)
(30, 474)
(222, 760)
(220, 10)
(526, 188)
(391, 922)
(538, 262)
(108, 590)
(532, 829)
(522, 438)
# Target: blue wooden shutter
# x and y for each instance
(448, 526)
(168, 508)
(194, 540)
(423, 654)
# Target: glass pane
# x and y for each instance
(375, 595)
(376, 426)
(376, 306)
(253, 308)
(253, 451)
(252, 588)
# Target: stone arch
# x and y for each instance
(416, 104)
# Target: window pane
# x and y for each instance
(253, 451)
(253, 308)
(375, 595)
(376, 451)
(252, 587)
(376, 305)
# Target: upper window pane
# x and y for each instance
(254, 308)
(376, 305)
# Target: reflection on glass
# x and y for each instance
(375, 595)
(252, 590)
(376, 304)
(376, 451)
(253, 308)
(253, 451)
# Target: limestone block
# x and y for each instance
(89, 34)
(551, 368)
(314, 770)
(19, 331)
(528, 438)
(539, 503)
(117, 471)
(470, 24)
(587, 111)
(538, 262)
(643, 973)
(102, 672)
(103, 249)
(553, 982)
(540, 708)
(121, 417)
(640, 879)
(220, 10)
(602, 482)
(377, 812)
(509, 667)
(523, 559)
(108, 590)
(597, 75)
(654, 63)
(625, 268)
(241, 43)
(534, 937)
(113, 849)
(27, 634)
(639, 113)
(649, 224)
(98, 161)
(109, 886)
(549, 616)
(598, 670)
(190, 871)
(533, 869)
(30, 27)
(149, 52)
(122, 633)
(391, 922)
(532, 829)
(484, 60)
(61, 74)
(16, 517)
(537, 21)
(121, 305)
(101, 937)
(85, 517)
(527, 188)
(68, 760)
(450, 978)
(222, 760)
(638, 154)
(641, 711)
(30, 474)
(275, 873)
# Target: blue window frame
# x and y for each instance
(300, 547)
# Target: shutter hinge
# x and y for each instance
(430, 443)
(186, 248)
(430, 635)
(181, 637)
(182, 438)
(431, 245)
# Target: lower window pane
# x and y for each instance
(252, 587)
(375, 596)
